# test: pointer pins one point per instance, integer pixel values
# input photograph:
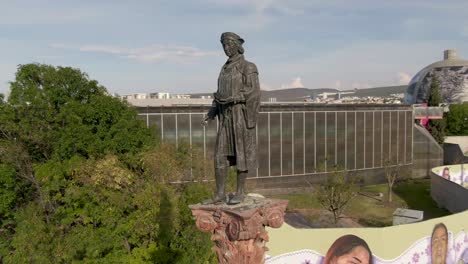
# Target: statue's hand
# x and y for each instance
(238, 99)
(204, 122)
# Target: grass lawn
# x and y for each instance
(372, 211)
(369, 209)
(416, 194)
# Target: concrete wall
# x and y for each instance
(448, 194)
(462, 141)
(291, 184)
(427, 152)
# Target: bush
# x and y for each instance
(457, 120)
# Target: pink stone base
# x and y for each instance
(238, 231)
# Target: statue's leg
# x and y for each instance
(221, 173)
(241, 176)
(239, 196)
(220, 176)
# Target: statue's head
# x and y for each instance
(232, 44)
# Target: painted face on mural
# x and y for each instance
(439, 246)
(358, 255)
(446, 173)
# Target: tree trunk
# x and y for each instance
(335, 216)
(390, 194)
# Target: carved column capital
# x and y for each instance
(238, 231)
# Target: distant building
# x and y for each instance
(159, 95)
(180, 96)
(452, 73)
(136, 96)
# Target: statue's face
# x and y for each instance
(230, 47)
(439, 246)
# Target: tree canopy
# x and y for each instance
(435, 98)
(457, 120)
(436, 126)
(80, 178)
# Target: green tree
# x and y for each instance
(393, 174)
(56, 113)
(457, 120)
(435, 98)
(336, 192)
(69, 114)
(83, 180)
(37, 96)
(436, 126)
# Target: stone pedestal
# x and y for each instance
(238, 231)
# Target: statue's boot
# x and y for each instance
(220, 196)
(239, 196)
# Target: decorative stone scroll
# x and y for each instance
(238, 231)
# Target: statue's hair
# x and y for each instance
(234, 37)
(240, 48)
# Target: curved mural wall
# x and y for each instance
(449, 187)
(441, 240)
(455, 173)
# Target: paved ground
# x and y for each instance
(316, 218)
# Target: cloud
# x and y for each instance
(379, 62)
(104, 49)
(149, 54)
(358, 85)
(337, 84)
(464, 31)
(7, 74)
(256, 15)
(295, 83)
(403, 78)
(291, 8)
(36, 13)
(265, 87)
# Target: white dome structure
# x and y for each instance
(452, 74)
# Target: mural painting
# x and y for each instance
(440, 247)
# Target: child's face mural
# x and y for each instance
(439, 246)
(358, 255)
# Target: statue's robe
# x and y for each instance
(236, 105)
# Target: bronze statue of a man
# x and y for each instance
(236, 104)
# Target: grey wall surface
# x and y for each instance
(299, 144)
(427, 152)
(453, 154)
(448, 194)
(462, 141)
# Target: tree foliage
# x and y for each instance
(457, 120)
(69, 114)
(336, 192)
(436, 126)
(435, 97)
(82, 179)
(393, 174)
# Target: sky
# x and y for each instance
(173, 46)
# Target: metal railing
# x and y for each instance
(298, 143)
